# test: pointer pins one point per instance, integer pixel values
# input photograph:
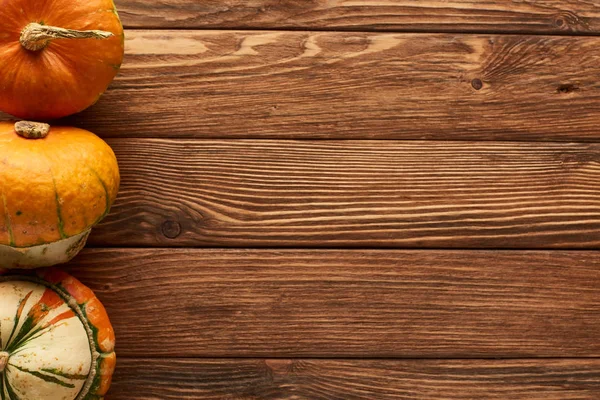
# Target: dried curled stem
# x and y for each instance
(35, 37)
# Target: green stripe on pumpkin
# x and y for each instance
(2, 392)
(26, 328)
(57, 372)
(106, 195)
(9, 390)
(98, 377)
(34, 335)
(18, 317)
(46, 378)
(61, 224)
(94, 330)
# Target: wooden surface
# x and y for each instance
(355, 194)
(541, 16)
(350, 199)
(215, 84)
(340, 303)
(358, 379)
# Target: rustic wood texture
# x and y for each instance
(490, 111)
(361, 303)
(269, 193)
(352, 85)
(353, 379)
(541, 16)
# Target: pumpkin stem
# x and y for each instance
(3, 360)
(32, 130)
(35, 37)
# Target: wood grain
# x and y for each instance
(540, 16)
(352, 85)
(390, 194)
(356, 379)
(353, 303)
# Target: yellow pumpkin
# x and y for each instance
(56, 183)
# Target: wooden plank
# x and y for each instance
(265, 193)
(547, 16)
(356, 379)
(348, 303)
(352, 85)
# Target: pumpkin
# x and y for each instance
(57, 57)
(56, 339)
(56, 183)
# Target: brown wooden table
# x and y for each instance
(353, 199)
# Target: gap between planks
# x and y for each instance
(576, 16)
(275, 29)
(361, 358)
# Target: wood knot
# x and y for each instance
(568, 21)
(171, 229)
(567, 88)
(477, 84)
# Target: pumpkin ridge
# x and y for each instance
(61, 224)
(77, 309)
(22, 303)
(8, 221)
(16, 349)
(31, 327)
(61, 57)
(106, 194)
(9, 390)
(32, 335)
(25, 330)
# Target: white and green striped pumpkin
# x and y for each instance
(56, 341)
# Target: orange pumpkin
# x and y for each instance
(57, 56)
(55, 184)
